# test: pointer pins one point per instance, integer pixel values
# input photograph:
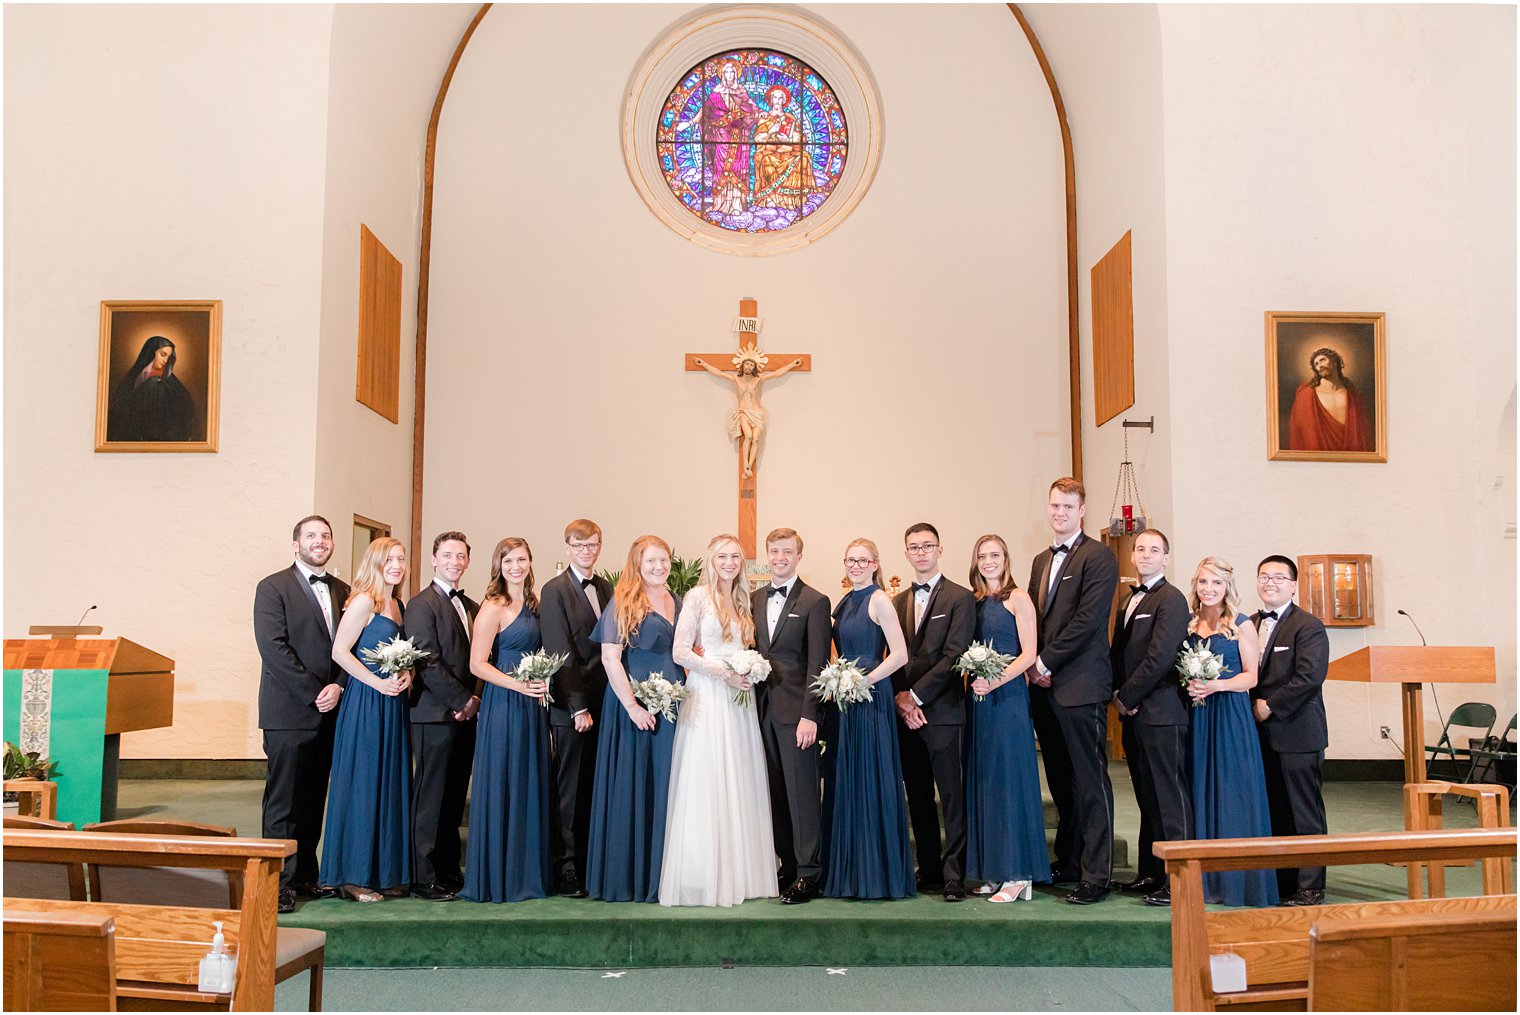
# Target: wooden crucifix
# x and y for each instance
(746, 371)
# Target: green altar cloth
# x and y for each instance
(65, 717)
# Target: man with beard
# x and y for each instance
(1328, 413)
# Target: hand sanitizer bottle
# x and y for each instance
(218, 967)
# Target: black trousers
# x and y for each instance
(442, 756)
(572, 764)
(795, 803)
(931, 759)
(1158, 767)
(1085, 729)
(1057, 759)
(1297, 807)
(295, 794)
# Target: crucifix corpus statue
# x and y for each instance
(748, 422)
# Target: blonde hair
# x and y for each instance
(979, 585)
(629, 603)
(369, 576)
(497, 587)
(737, 607)
(875, 558)
(1229, 609)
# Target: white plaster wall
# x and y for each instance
(162, 152)
(561, 306)
(1351, 158)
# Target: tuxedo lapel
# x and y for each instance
(582, 605)
(786, 609)
(759, 604)
(905, 613)
(316, 604)
(918, 634)
(1043, 592)
(1066, 562)
(448, 607)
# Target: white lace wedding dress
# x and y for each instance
(718, 845)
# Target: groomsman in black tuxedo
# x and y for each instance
(1073, 583)
(443, 708)
(939, 618)
(569, 607)
(295, 612)
(793, 631)
(1154, 707)
(1290, 718)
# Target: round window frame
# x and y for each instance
(707, 33)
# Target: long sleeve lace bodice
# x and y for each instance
(699, 622)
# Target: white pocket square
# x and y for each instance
(937, 616)
(1139, 616)
(791, 614)
(1280, 648)
(1067, 577)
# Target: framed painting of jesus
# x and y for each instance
(1326, 387)
(158, 386)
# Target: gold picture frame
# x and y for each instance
(1327, 389)
(151, 400)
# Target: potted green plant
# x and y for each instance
(684, 575)
(20, 764)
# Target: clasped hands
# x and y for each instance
(909, 711)
(327, 698)
(395, 684)
(469, 711)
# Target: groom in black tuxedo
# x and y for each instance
(1148, 633)
(443, 708)
(569, 607)
(792, 631)
(1073, 583)
(939, 618)
(295, 612)
(1289, 703)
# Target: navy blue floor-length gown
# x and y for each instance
(868, 854)
(367, 840)
(1005, 818)
(632, 782)
(1229, 784)
(507, 855)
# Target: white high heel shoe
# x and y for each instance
(1013, 891)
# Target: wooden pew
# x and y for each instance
(1422, 812)
(59, 962)
(1426, 962)
(1275, 942)
(159, 948)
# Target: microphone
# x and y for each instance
(1416, 628)
(86, 613)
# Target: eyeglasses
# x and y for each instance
(1272, 579)
(584, 546)
(858, 562)
(917, 548)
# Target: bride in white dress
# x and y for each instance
(718, 845)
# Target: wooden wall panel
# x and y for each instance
(1113, 333)
(379, 381)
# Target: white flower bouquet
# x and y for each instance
(391, 657)
(1196, 662)
(982, 662)
(537, 667)
(843, 682)
(752, 666)
(659, 695)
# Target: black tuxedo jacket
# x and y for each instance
(1144, 657)
(797, 652)
(947, 631)
(443, 683)
(295, 646)
(1292, 680)
(565, 623)
(1073, 621)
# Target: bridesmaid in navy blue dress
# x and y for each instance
(366, 843)
(633, 754)
(1229, 783)
(1005, 817)
(868, 855)
(507, 854)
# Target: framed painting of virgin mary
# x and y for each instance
(158, 386)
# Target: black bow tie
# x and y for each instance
(920, 586)
(1138, 590)
(584, 582)
(1059, 548)
(778, 590)
(1267, 615)
(455, 593)
(315, 578)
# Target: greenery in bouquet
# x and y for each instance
(537, 667)
(842, 682)
(659, 695)
(982, 662)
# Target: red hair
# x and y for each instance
(782, 89)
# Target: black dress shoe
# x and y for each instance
(433, 893)
(1160, 897)
(802, 890)
(1143, 886)
(1065, 875)
(315, 891)
(1306, 897)
(1087, 893)
(570, 886)
(453, 883)
(287, 900)
(955, 890)
(927, 886)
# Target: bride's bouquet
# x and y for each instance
(658, 695)
(752, 666)
(391, 657)
(843, 682)
(982, 662)
(538, 667)
(1196, 662)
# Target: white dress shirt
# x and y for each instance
(1050, 582)
(776, 603)
(323, 593)
(920, 604)
(446, 588)
(1141, 591)
(1269, 624)
(589, 590)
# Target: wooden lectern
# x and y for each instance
(139, 692)
(1413, 666)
